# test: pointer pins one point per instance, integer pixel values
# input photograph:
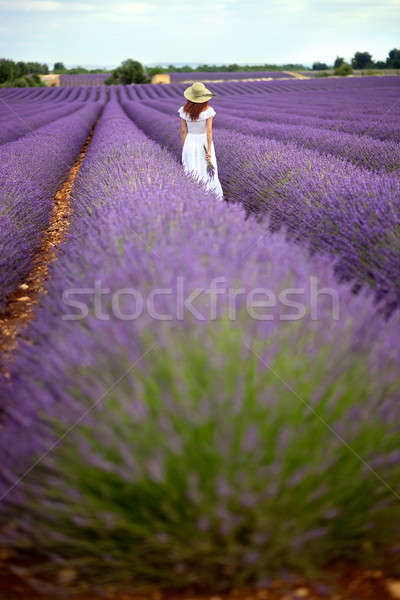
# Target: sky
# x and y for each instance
(103, 33)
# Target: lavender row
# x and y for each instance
(23, 98)
(19, 125)
(196, 439)
(382, 128)
(372, 123)
(324, 105)
(350, 91)
(363, 151)
(29, 181)
(34, 104)
(327, 202)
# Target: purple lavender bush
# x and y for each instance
(17, 123)
(326, 202)
(362, 150)
(201, 450)
(29, 181)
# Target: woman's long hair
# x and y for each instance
(193, 109)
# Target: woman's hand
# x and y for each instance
(208, 156)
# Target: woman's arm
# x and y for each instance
(209, 137)
(183, 130)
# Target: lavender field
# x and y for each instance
(97, 79)
(178, 77)
(251, 429)
(83, 79)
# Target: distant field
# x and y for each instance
(99, 78)
(223, 75)
(93, 79)
(356, 72)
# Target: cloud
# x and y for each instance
(43, 5)
(118, 12)
(105, 31)
(126, 12)
(117, 8)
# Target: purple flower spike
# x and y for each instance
(210, 166)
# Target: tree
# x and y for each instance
(338, 61)
(362, 60)
(130, 71)
(155, 70)
(343, 69)
(77, 70)
(58, 66)
(393, 60)
(35, 67)
(8, 70)
(319, 66)
(19, 74)
(22, 68)
(380, 64)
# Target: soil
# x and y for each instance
(350, 585)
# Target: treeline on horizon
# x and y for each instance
(226, 68)
(132, 71)
(26, 74)
(363, 60)
(360, 60)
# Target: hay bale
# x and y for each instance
(161, 78)
(51, 79)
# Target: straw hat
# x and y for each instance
(198, 92)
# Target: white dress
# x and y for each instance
(193, 153)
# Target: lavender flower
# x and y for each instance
(210, 166)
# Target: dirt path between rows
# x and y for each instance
(20, 304)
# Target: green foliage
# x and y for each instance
(26, 81)
(362, 60)
(229, 68)
(59, 68)
(20, 82)
(8, 70)
(338, 61)
(201, 468)
(393, 59)
(343, 70)
(35, 67)
(323, 74)
(77, 70)
(22, 68)
(319, 66)
(154, 70)
(130, 71)
(11, 71)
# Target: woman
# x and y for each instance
(196, 132)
